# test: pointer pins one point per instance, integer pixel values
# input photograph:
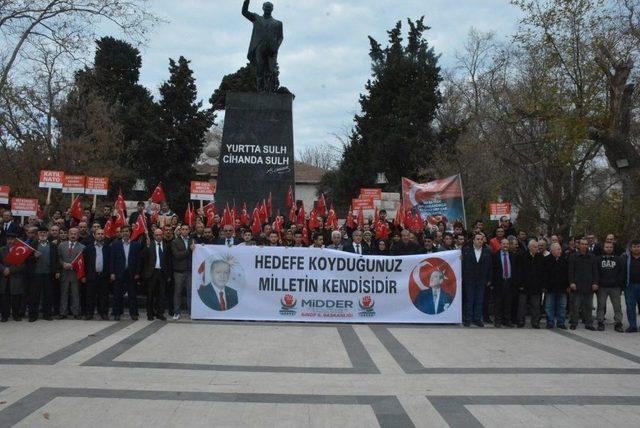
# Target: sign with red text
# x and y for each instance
(97, 186)
(365, 204)
(22, 207)
(375, 194)
(498, 210)
(4, 194)
(440, 201)
(203, 191)
(51, 179)
(73, 184)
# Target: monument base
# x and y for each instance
(257, 154)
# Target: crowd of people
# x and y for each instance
(507, 275)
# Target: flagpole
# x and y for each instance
(95, 202)
(49, 196)
(25, 244)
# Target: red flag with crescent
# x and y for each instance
(78, 265)
(18, 253)
(76, 209)
(321, 207)
(290, 201)
(120, 203)
(158, 194)
(139, 227)
(350, 223)
(109, 229)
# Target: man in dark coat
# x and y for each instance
(157, 272)
(97, 260)
(583, 279)
(532, 279)
(12, 282)
(503, 284)
(405, 247)
(476, 276)
(45, 270)
(557, 269)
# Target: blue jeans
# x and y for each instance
(472, 305)
(556, 308)
(631, 297)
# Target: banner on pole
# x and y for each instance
(22, 207)
(203, 191)
(365, 204)
(436, 201)
(73, 184)
(97, 186)
(4, 194)
(51, 179)
(320, 285)
(497, 210)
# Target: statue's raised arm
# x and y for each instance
(245, 11)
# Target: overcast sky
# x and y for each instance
(324, 58)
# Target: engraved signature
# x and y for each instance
(279, 171)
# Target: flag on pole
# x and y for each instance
(290, 201)
(78, 265)
(18, 253)
(76, 209)
(158, 194)
(322, 206)
(139, 227)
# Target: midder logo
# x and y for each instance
(366, 305)
(288, 303)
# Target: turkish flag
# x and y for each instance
(314, 223)
(332, 219)
(321, 208)
(277, 225)
(76, 209)
(256, 226)
(269, 207)
(227, 217)
(376, 216)
(290, 201)
(189, 216)
(302, 215)
(397, 222)
(244, 216)
(120, 218)
(210, 212)
(78, 265)
(139, 227)
(292, 214)
(360, 217)
(264, 212)
(120, 203)
(305, 236)
(158, 194)
(350, 223)
(18, 253)
(109, 229)
(407, 223)
(382, 230)
(155, 215)
(418, 223)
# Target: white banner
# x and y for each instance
(319, 285)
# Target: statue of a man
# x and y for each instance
(266, 39)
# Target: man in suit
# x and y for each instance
(97, 259)
(357, 246)
(69, 284)
(12, 282)
(9, 225)
(405, 247)
(156, 271)
(336, 241)
(476, 276)
(227, 237)
(124, 272)
(503, 284)
(433, 300)
(583, 281)
(46, 269)
(217, 295)
(532, 279)
(181, 253)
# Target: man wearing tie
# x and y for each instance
(217, 295)
(227, 238)
(156, 262)
(97, 260)
(124, 272)
(503, 284)
(9, 225)
(67, 253)
(357, 246)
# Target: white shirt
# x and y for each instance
(478, 253)
(436, 296)
(158, 258)
(125, 246)
(99, 258)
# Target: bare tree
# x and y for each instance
(325, 156)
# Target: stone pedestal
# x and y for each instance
(257, 155)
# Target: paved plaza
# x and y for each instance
(189, 373)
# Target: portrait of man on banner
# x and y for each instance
(223, 278)
(432, 286)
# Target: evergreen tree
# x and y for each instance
(393, 133)
(184, 124)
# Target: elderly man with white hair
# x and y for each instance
(557, 287)
(336, 241)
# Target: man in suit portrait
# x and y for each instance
(433, 300)
(217, 295)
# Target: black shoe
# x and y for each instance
(47, 318)
(466, 324)
(562, 326)
(573, 327)
(32, 319)
(150, 318)
(520, 325)
(631, 330)
(550, 326)
(590, 327)
(508, 325)
(134, 317)
(488, 320)
(62, 317)
(116, 317)
(88, 318)
(600, 326)
(76, 317)
(161, 317)
(18, 318)
(4, 319)
(618, 328)
(104, 317)
(478, 324)
(498, 325)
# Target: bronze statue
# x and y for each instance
(266, 39)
